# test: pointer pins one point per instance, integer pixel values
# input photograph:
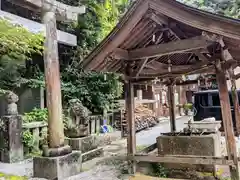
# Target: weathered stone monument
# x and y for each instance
(11, 147)
(77, 132)
(58, 161)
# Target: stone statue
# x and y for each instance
(11, 99)
(80, 117)
(78, 112)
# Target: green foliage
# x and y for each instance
(17, 43)
(98, 21)
(108, 14)
(230, 8)
(158, 170)
(92, 89)
(17, 46)
(27, 139)
(12, 177)
(36, 115)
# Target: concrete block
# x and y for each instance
(205, 145)
(57, 167)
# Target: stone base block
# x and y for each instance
(205, 145)
(98, 152)
(57, 167)
(83, 144)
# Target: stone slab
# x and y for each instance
(83, 144)
(144, 177)
(11, 147)
(57, 167)
(205, 145)
(98, 152)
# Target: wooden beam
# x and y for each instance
(198, 68)
(174, 68)
(236, 76)
(201, 56)
(191, 70)
(120, 54)
(63, 11)
(35, 27)
(140, 67)
(227, 120)
(204, 160)
(174, 47)
(159, 20)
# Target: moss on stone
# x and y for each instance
(12, 177)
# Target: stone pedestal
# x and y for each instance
(204, 145)
(11, 147)
(83, 144)
(87, 145)
(57, 167)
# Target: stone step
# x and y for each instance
(98, 152)
(144, 177)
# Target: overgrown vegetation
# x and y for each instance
(17, 46)
(95, 90)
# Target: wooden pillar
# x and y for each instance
(130, 107)
(235, 102)
(160, 103)
(172, 112)
(227, 121)
(131, 140)
(52, 79)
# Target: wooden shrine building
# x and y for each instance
(166, 39)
